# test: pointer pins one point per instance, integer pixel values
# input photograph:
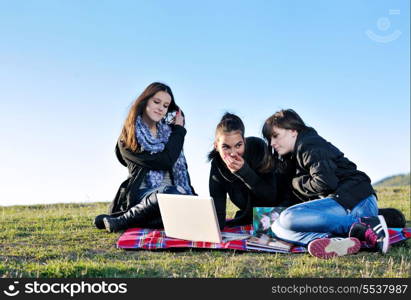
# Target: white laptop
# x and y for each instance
(192, 218)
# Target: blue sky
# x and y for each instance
(70, 69)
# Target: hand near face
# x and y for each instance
(179, 118)
(233, 162)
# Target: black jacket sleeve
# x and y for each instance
(263, 186)
(163, 160)
(218, 193)
(321, 179)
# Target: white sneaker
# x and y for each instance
(331, 247)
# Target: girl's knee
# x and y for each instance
(286, 219)
(280, 231)
(276, 228)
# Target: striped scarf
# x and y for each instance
(157, 144)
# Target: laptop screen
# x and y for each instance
(189, 217)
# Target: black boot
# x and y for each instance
(115, 224)
(393, 217)
(98, 221)
(139, 214)
(154, 223)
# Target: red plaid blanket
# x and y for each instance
(151, 239)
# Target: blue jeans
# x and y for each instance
(302, 223)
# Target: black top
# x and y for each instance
(140, 162)
(247, 187)
(323, 171)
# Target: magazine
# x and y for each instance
(263, 218)
(266, 243)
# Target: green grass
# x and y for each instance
(60, 241)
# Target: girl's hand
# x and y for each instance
(233, 162)
(179, 118)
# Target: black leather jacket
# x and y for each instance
(139, 163)
(323, 171)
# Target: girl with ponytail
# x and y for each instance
(237, 170)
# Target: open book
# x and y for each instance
(263, 238)
(266, 243)
(263, 218)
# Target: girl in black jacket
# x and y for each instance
(150, 146)
(236, 164)
(338, 200)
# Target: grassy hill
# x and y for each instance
(395, 180)
(59, 241)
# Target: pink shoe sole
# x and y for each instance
(331, 247)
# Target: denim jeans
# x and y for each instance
(302, 223)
